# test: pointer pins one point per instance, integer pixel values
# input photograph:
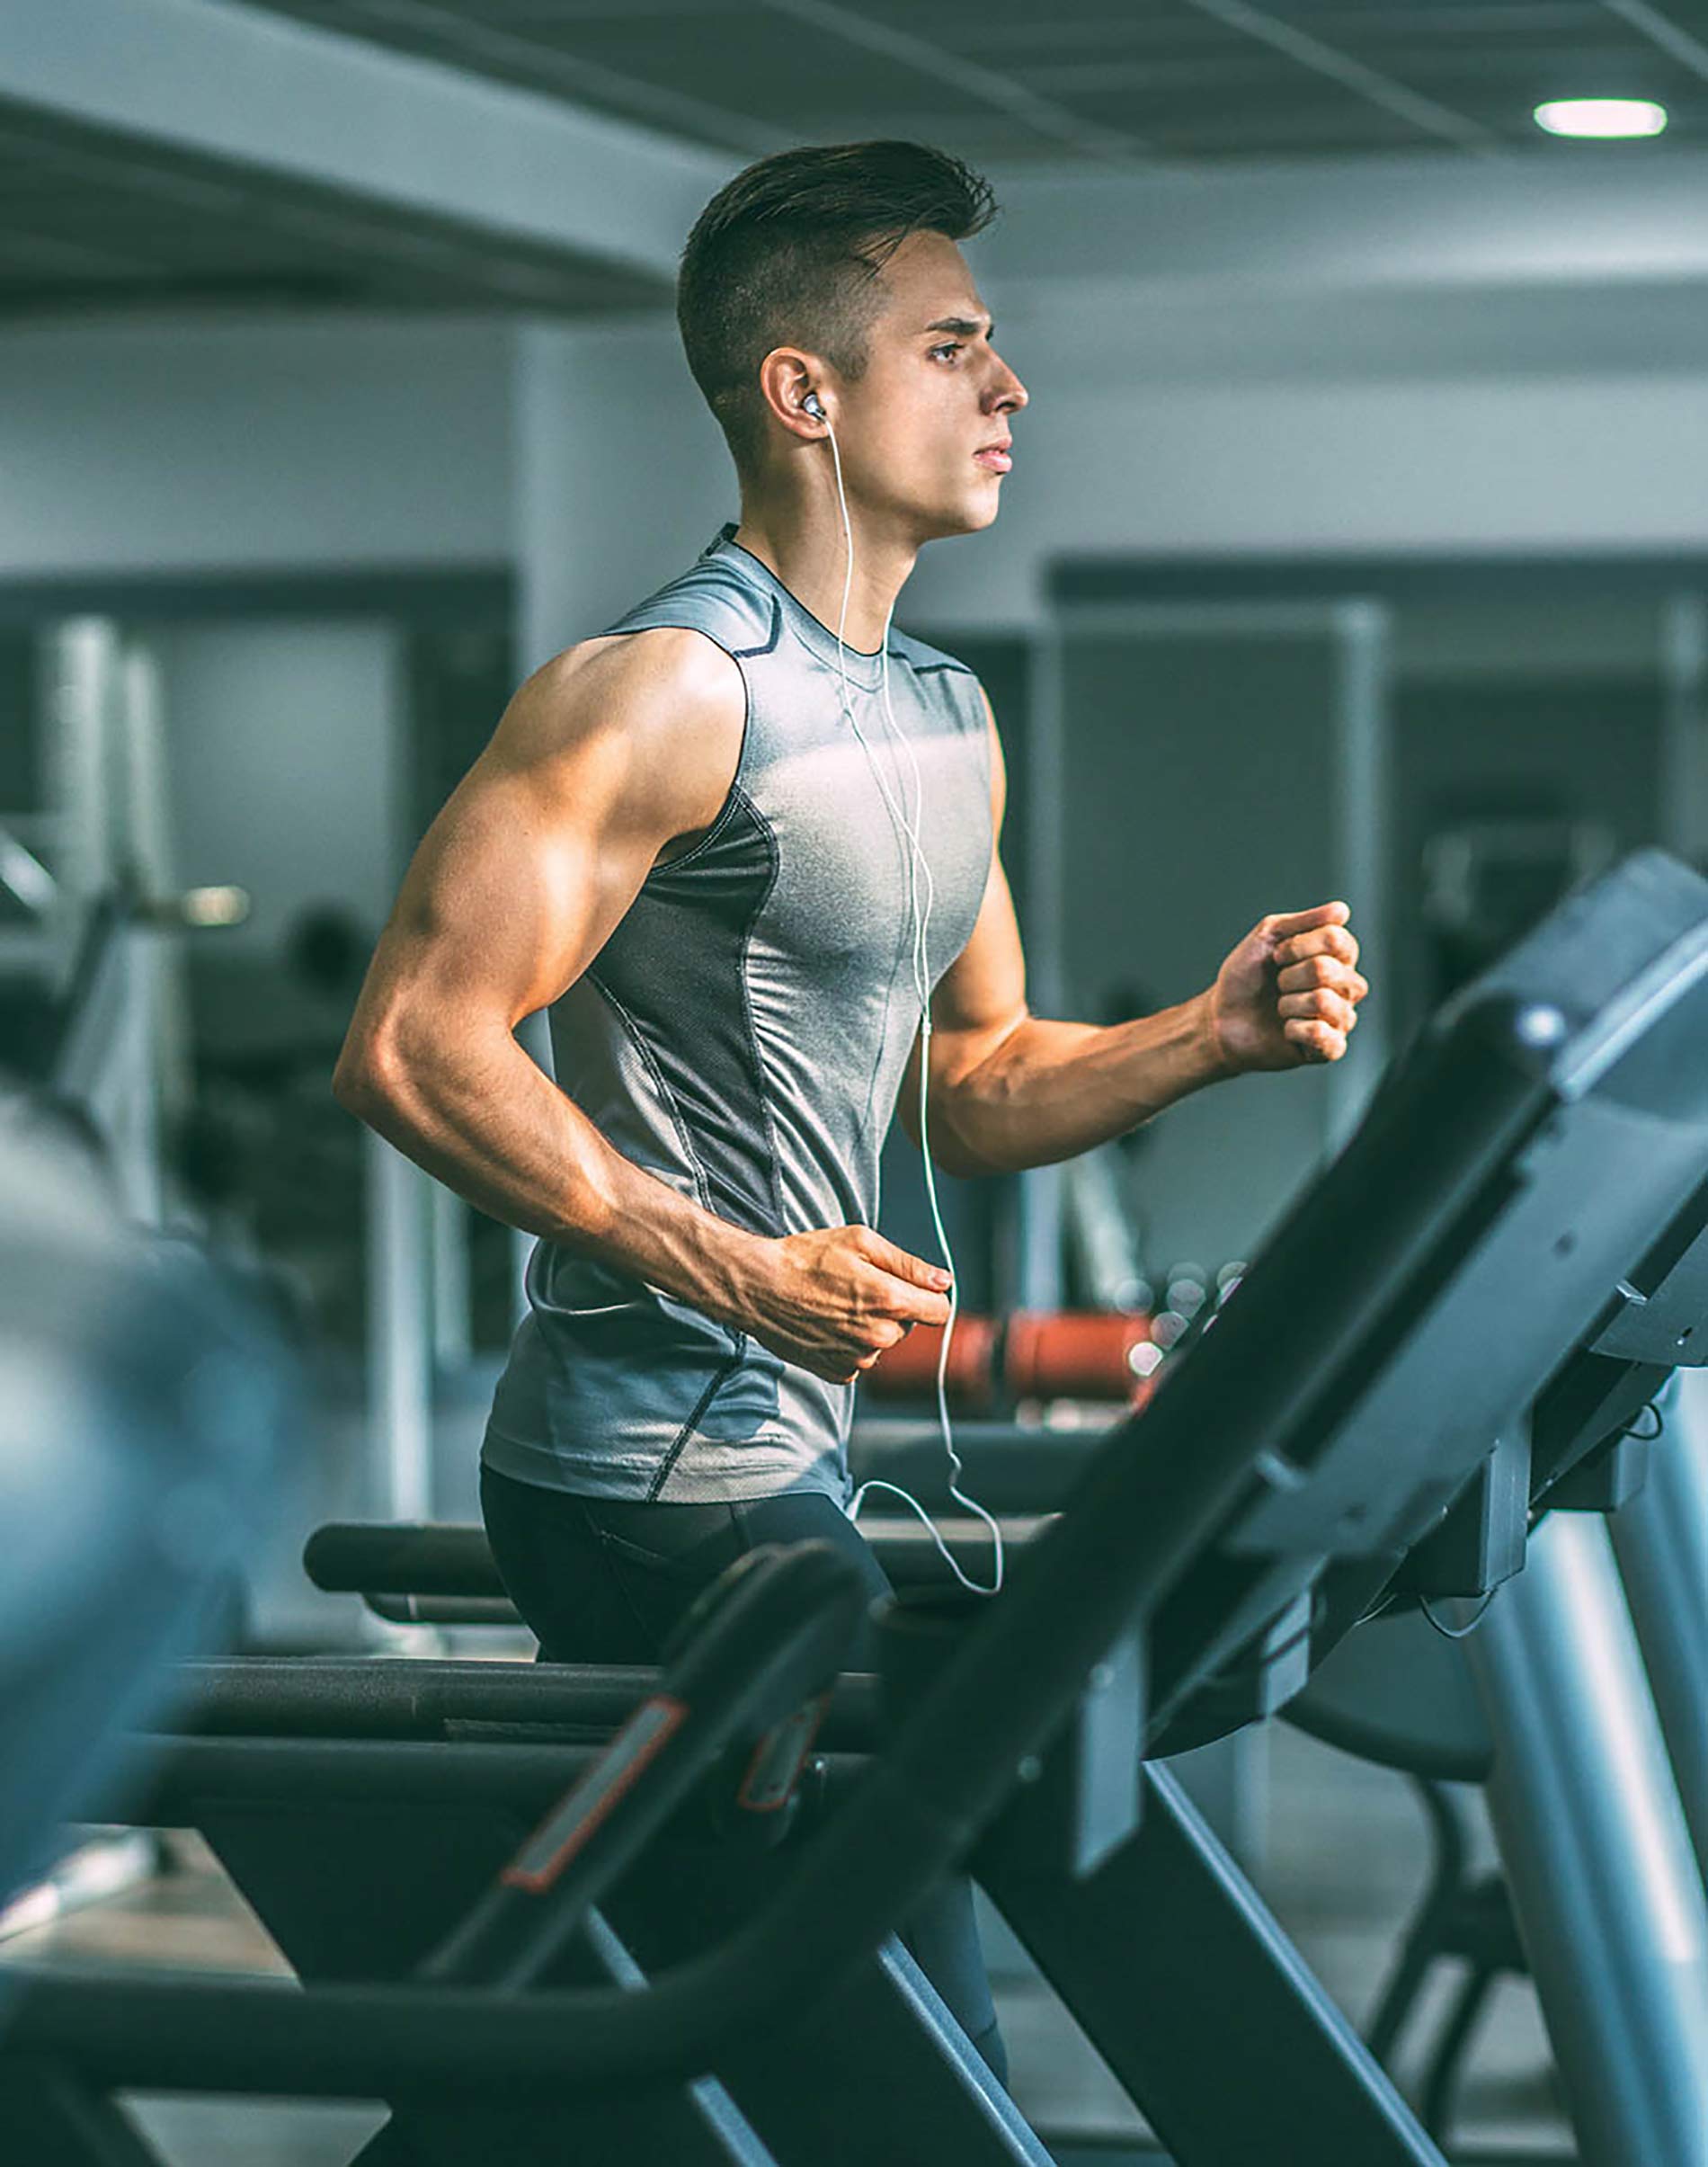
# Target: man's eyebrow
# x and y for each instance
(963, 327)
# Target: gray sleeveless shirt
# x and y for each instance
(742, 1036)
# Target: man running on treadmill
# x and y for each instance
(683, 842)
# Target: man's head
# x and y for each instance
(835, 270)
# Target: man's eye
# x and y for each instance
(953, 346)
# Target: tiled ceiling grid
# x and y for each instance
(94, 218)
(1128, 82)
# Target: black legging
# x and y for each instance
(604, 1581)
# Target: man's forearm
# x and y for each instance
(485, 1120)
(1052, 1090)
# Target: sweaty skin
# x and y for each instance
(619, 754)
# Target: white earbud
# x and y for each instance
(918, 869)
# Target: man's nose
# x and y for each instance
(1012, 392)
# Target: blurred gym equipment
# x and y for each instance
(145, 1402)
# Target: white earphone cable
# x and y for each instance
(920, 921)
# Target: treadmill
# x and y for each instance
(1517, 1166)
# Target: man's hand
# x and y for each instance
(1289, 993)
(832, 1300)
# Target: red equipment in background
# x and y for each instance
(1028, 1354)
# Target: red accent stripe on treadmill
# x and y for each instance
(779, 1757)
(573, 1820)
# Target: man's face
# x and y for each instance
(934, 395)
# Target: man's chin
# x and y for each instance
(974, 512)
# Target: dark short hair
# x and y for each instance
(791, 251)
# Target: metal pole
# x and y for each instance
(1041, 1203)
(106, 1063)
(1682, 813)
(1360, 784)
(449, 1220)
(131, 1079)
(1661, 1541)
(81, 659)
(147, 847)
(399, 1333)
(1597, 1855)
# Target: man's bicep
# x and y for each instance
(545, 844)
(982, 992)
(978, 1001)
(509, 898)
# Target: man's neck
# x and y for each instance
(808, 551)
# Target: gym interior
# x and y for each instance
(1332, 1774)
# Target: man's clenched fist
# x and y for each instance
(1289, 993)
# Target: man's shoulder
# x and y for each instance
(660, 685)
(712, 598)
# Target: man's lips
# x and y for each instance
(996, 457)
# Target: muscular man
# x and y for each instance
(687, 842)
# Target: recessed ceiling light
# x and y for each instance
(1604, 118)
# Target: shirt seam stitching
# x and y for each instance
(632, 1032)
(774, 857)
(719, 1378)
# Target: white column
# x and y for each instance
(399, 1333)
(81, 664)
